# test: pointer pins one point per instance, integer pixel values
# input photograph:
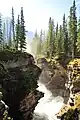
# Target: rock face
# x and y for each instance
(28, 104)
(65, 83)
(54, 77)
(71, 110)
(3, 109)
(18, 77)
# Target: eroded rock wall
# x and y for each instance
(18, 78)
(54, 77)
(71, 110)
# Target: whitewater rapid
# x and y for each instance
(48, 106)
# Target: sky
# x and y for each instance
(37, 12)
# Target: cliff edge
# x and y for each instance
(18, 81)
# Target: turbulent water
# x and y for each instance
(48, 106)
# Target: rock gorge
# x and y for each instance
(18, 83)
(63, 81)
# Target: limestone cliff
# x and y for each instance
(18, 78)
(71, 110)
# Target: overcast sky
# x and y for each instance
(37, 12)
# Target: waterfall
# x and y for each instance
(48, 106)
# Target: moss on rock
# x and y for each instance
(8, 55)
(72, 112)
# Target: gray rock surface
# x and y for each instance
(54, 78)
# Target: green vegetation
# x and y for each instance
(74, 65)
(17, 34)
(78, 37)
(17, 39)
(8, 55)
(62, 41)
(13, 27)
(22, 32)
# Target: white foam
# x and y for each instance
(48, 105)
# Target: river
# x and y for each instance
(48, 106)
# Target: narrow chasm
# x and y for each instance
(52, 83)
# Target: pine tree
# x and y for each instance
(70, 45)
(56, 40)
(60, 41)
(1, 33)
(22, 33)
(73, 30)
(17, 40)
(57, 30)
(47, 45)
(51, 37)
(10, 42)
(65, 36)
(78, 38)
(13, 26)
